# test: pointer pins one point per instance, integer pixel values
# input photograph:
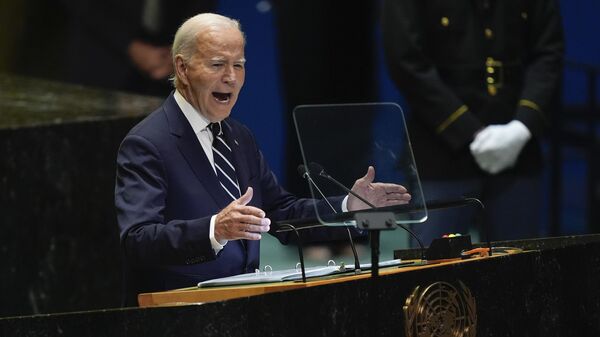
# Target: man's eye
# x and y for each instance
(239, 66)
(217, 65)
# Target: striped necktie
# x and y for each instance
(223, 158)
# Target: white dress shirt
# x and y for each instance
(200, 124)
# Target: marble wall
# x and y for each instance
(58, 233)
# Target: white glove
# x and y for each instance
(497, 147)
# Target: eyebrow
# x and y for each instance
(221, 58)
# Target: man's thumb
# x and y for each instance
(370, 176)
(245, 199)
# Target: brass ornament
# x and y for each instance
(488, 33)
(440, 310)
(494, 79)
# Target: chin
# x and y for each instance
(221, 115)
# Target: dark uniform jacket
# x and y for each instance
(466, 64)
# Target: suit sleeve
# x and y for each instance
(544, 69)
(418, 78)
(140, 198)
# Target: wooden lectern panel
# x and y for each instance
(192, 295)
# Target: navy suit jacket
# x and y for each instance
(166, 192)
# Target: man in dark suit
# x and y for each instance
(193, 192)
(124, 45)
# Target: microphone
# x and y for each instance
(304, 174)
(319, 170)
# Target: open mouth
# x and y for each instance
(221, 96)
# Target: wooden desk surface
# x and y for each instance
(213, 294)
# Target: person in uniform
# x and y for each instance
(480, 78)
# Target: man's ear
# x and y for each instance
(180, 69)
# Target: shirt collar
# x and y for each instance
(194, 117)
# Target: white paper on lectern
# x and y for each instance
(289, 274)
(272, 276)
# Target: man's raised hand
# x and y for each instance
(239, 221)
(378, 194)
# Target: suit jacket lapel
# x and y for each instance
(192, 151)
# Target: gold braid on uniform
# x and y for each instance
(453, 117)
(530, 104)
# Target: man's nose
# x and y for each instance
(229, 76)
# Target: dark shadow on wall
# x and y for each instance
(327, 54)
(33, 38)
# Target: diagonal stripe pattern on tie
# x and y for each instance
(223, 158)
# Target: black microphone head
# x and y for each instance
(315, 168)
(302, 170)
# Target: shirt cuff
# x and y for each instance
(216, 245)
(345, 204)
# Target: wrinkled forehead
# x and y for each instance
(220, 40)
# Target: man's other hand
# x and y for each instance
(239, 221)
(378, 194)
(153, 60)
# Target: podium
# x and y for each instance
(214, 294)
(194, 295)
(548, 289)
(551, 289)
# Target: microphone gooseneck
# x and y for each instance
(306, 175)
(315, 168)
(302, 171)
(421, 245)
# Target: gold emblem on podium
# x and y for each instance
(440, 310)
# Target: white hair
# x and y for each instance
(185, 40)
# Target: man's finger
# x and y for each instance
(370, 176)
(393, 203)
(251, 219)
(250, 210)
(390, 188)
(245, 199)
(251, 236)
(256, 228)
(398, 196)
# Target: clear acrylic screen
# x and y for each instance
(345, 139)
